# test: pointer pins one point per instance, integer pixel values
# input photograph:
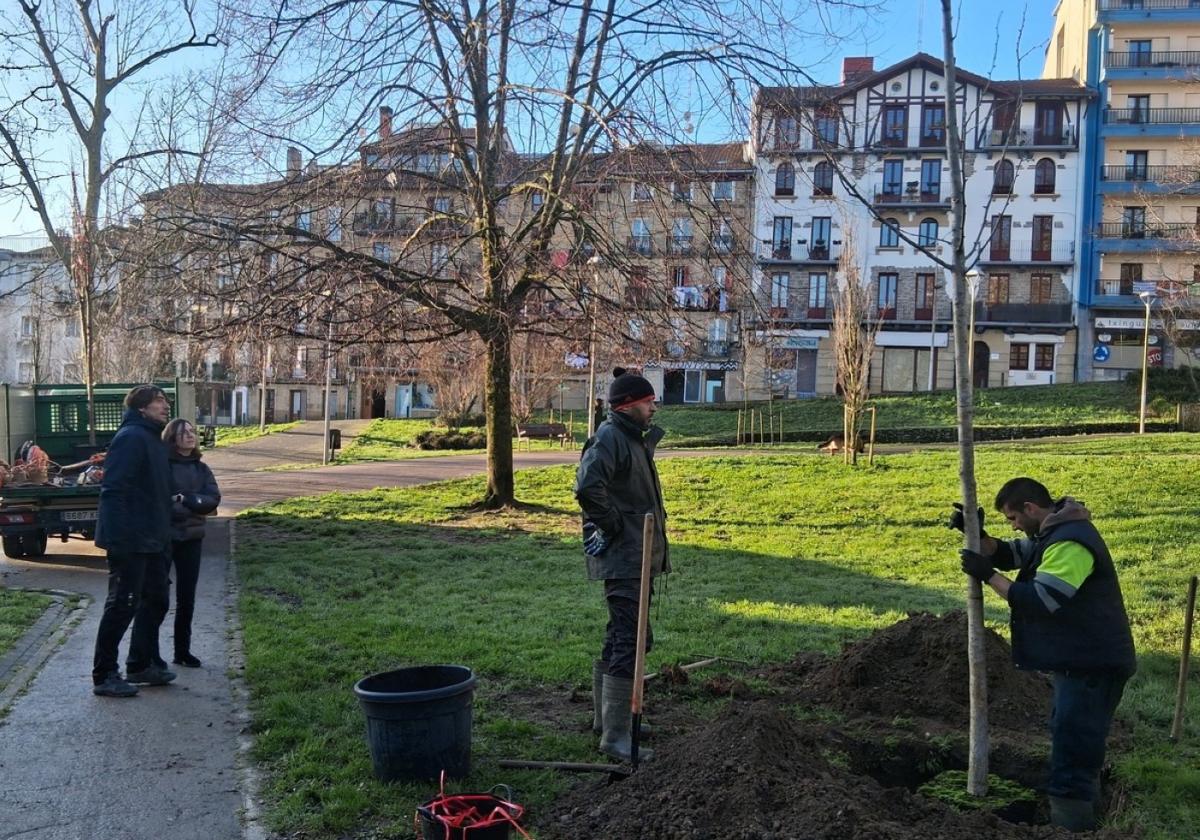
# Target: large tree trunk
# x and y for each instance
(498, 411)
(977, 769)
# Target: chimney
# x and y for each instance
(857, 67)
(293, 161)
(385, 122)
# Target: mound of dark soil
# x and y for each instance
(918, 668)
(757, 774)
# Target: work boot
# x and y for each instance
(152, 675)
(113, 686)
(1072, 814)
(617, 738)
(599, 669)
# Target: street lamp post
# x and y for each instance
(328, 385)
(1147, 299)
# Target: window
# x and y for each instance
(723, 191)
(720, 276)
(931, 179)
(781, 238)
(641, 192)
(70, 372)
(304, 220)
(1048, 124)
(441, 203)
(26, 326)
(933, 125)
(71, 328)
(1043, 238)
(893, 177)
(1004, 113)
(895, 125)
(1043, 177)
(382, 252)
(1136, 165)
(439, 257)
(818, 287)
(1139, 107)
(1139, 53)
(889, 234)
(25, 373)
(888, 281)
(1001, 239)
(927, 233)
(1018, 357)
(825, 127)
(1133, 222)
(821, 227)
(1039, 288)
(1002, 178)
(301, 365)
(997, 289)
(681, 190)
(779, 290)
(823, 178)
(926, 285)
(785, 179)
(680, 275)
(1131, 276)
(681, 235)
(1043, 358)
(333, 223)
(536, 200)
(787, 133)
(722, 237)
(385, 208)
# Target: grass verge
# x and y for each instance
(394, 440)
(230, 435)
(18, 611)
(773, 554)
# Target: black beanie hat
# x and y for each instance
(628, 388)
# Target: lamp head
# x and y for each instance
(1148, 298)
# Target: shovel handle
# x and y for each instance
(639, 665)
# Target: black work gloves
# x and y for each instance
(595, 542)
(958, 523)
(976, 565)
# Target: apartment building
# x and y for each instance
(1141, 204)
(864, 162)
(38, 316)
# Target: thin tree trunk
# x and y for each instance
(977, 769)
(498, 410)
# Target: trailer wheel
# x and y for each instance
(14, 547)
(34, 544)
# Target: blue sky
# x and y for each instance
(994, 39)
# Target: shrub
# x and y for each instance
(433, 439)
(1177, 385)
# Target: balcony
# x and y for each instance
(372, 222)
(913, 196)
(716, 349)
(680, 246)
(1178, 175)
(1054, 253)
(1152, 116)
(1031, 138)
(1023, 313)
(721, 244)
(642, 246)
(1148, 60)
(700, 299)
(1115, 288)
(1160, 11)
(785, 252)
(1147, 230)
(1146, 5)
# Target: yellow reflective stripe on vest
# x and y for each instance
(1065, 566)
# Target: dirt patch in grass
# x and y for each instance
(832, 747)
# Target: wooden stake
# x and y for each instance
(1181, 691)
(871, 445)
(569, 766)
(739, 428)
(639, 664)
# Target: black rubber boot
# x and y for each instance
(617, 738)
(1072, 814)
(599, 669)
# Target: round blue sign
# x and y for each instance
(1101, 353)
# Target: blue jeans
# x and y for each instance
(620, 636)
(1084, 703)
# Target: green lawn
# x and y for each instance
(18, 611)
(773, 554)
(229, 435)
(393, 440)
(1107, 402)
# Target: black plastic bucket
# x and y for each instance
(418, 721)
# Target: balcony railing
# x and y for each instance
(1152, 116)
(1023, 313)
(777, 251)
(796, 253)
(1147, 5)
(1147, 230)
(912, 196)
(716, 349)
(373, 222)
(1121, 60)
(1028, 252)
(679, 245)
(1152, 174)
(643, 246)
(700, 299)
(1027, 137)
(1115, 287)
(721, 244)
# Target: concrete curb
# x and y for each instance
(249, 777)
(21, 664)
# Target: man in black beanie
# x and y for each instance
(617, 485)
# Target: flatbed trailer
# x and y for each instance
(30, 515)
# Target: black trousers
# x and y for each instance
(186, 557)
(156, 595)
(620, 636)
(133, 579)
(1083, 710)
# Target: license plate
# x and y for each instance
(78, 515)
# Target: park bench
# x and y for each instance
(542, 431)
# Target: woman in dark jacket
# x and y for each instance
(194, 495)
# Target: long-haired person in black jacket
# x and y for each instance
(194, 495)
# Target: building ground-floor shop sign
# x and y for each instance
(904, 359)
(1119, 343)
(693, 381)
